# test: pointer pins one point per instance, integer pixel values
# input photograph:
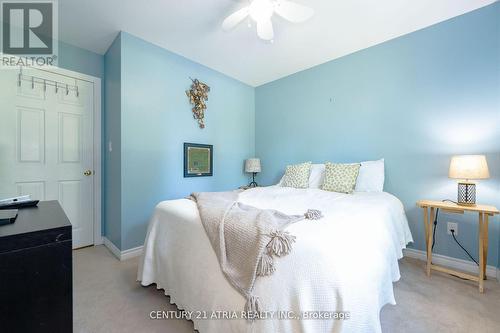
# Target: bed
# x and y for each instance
(346, 261)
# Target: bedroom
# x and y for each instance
(393, 104)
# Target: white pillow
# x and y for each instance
(370, 177)
(317, 176)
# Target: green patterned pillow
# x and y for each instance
(297, 175)
(340, 177)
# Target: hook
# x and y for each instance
(20, 76)
(57, 87)
(44, 86)
(32, 82)
(67, 89)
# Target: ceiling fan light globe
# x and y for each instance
(261, 10)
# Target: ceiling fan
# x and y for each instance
(261, 12)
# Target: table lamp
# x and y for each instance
(252, 165)
(467, 168)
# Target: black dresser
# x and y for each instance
(36, 280)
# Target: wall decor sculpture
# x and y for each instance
(198, 95)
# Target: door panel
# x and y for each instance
(46, 144)
(35, 189)
(70, 140)
(31, 135)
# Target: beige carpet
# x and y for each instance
(108, 299)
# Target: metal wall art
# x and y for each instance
(198, 95)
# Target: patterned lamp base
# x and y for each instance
(467, 194)
(253, 183)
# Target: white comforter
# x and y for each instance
(346, 261)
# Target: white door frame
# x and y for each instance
(97, 144)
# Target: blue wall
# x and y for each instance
(112, 126)
(80, 60)
(415, 100)
(155, 121)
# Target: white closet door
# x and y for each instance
(46, 145)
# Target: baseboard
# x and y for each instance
(131, 253)
(112, 248)
(454, 263)
(122, 255)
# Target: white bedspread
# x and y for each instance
(346, 261)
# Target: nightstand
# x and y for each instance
(483, 211)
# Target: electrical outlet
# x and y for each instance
(452, 226)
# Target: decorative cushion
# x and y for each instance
(340, 177)
(297, 175)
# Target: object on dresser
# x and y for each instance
(15, 199)
(18, 202)
(8, 216)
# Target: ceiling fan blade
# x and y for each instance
(292, 11)
(265, 29)
(235, 18)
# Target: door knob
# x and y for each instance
(87, 172)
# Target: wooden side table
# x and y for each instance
(483, 211)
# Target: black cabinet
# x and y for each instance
(36, 280)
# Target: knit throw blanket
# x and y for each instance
(246, 239)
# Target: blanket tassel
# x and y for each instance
(313, 214)
(252, 304)
(266, 265)
(281, 242)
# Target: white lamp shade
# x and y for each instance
(252, 165)
(469, 167)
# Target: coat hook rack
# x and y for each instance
(46, 82)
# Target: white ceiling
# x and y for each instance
(192, 28)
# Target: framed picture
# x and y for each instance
(198, 160)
